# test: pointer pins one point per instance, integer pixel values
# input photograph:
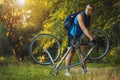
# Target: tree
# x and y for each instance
(47, 16)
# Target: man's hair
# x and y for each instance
(91, 5)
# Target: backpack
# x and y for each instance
(69, 21)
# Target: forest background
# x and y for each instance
(20, 22)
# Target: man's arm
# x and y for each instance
(83, 27)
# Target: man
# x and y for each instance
(82, 21)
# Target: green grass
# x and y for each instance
(30, 71)
(12, 70)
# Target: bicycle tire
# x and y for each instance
(102, 44)
(41, 42)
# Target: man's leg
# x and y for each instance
(69, 56)
(68, 62)
(82, 57)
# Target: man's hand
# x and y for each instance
(93, 42)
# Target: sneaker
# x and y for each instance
(67, 73)
(84, 70)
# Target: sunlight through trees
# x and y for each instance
(23, 19)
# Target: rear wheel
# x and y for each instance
(43, 44)
(102, 44)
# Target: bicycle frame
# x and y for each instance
(57, 67)
(90, 47)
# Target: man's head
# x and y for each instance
(89, 9)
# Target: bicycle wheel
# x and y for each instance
(39, 45)
(100, 49)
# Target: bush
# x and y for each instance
(114, 56)
(3, 40)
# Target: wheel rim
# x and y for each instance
(101, 47)
(38, 46)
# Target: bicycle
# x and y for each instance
(45, 49)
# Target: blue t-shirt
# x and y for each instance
(76, 30)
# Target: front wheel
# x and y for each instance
(101, 47)
(41, 46)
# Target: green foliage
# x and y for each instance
(113, 56)
(3, 40)
(105, 17)
(47, 16)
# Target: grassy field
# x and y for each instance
(29, 71)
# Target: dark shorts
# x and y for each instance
(70, 38)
